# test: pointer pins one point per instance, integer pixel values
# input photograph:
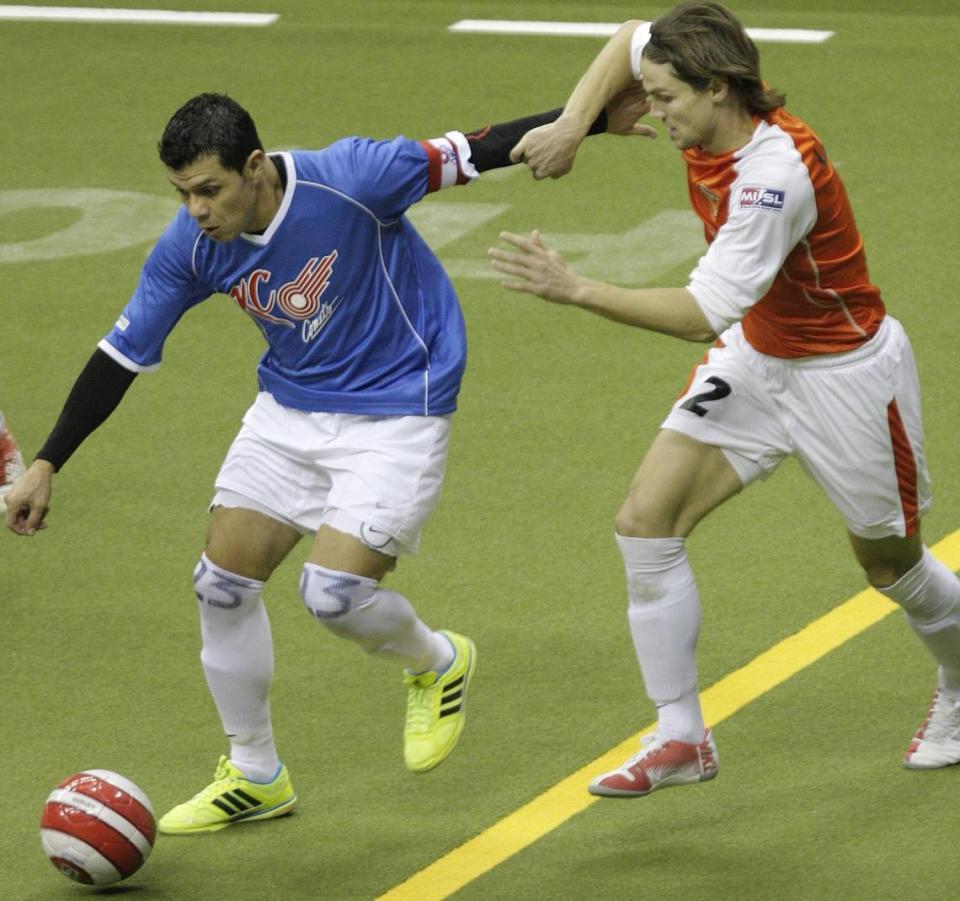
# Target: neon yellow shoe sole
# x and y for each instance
(230, 799)
(436, 708)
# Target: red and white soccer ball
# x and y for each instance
(97, 827)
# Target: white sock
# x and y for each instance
(253, 756)
(442, 657)
(664, 618)
(388, 626)
(681, 719)
(930, 596)
(381, 621)
(237, 658)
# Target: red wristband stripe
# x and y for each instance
(434, 167)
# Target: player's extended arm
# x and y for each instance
(538, 269)
(457, 158)
(490, 146)
(550, 150)
(94, 396)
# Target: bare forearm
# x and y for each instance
(670, 311)
(534, 268)
(608, 84)
(608, 75)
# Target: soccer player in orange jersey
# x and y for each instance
(11, 460)
(806, 362)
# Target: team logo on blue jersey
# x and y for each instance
(762, 198)
(293, 303)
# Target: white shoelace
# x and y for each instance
(648, 744)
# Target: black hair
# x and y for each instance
(209, 124)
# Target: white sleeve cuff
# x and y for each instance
(721, 312)
(459, 141)
(640, 39)
(124, 360)
(453, 156)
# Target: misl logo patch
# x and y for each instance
(762, 198)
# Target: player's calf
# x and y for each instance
(380, 621)
(438, 665)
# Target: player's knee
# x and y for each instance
(640, 517)
(881, 574)
(219, 589)
(883, 571)
(886, 560)
(331, 596)
(626, 523)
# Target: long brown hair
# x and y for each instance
(705, 41)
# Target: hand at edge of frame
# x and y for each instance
(28, 500)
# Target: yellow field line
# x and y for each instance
(556, 805)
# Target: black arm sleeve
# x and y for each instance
(490, 147)
(94, 396)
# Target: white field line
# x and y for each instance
(606, 29)
(132, 16)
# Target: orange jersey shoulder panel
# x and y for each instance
(822, 300)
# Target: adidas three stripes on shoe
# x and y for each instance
(229, 799)
(436, 708)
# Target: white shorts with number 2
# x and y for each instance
(852, 420)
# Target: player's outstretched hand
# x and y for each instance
(625, 111)
(28, 499)
(535, 268)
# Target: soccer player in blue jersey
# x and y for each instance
(347, 438)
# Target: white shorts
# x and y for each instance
(375, 477)
(852, 420)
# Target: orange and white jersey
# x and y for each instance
(785, 256)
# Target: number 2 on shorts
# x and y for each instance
(695, 404)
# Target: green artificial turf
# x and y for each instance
(99, 641)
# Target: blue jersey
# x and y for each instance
(357, 312)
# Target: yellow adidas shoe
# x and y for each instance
(436, 708)
(230, 799)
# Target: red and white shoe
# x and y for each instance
(660, 763)
(11, 460)
(937, 742)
